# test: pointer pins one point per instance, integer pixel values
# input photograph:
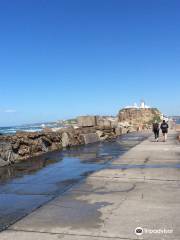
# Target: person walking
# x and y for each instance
(156, 130)
(164, 128)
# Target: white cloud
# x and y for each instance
(10, 111)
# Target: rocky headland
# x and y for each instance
(139, 117)
(89, 129)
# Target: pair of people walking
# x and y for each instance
(164, 128)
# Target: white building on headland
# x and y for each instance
(142, 105)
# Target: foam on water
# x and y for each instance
(27, 128)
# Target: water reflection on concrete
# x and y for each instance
(29, 184)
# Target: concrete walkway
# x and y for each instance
(140, 189)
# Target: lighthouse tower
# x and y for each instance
(142, 105)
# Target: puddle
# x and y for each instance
(74, 214)
(38, 180)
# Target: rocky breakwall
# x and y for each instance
(139, 118)
(24, 145)
(97, 128)
(89, 129)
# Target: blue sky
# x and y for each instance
(63, 58)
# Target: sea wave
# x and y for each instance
(28, 128)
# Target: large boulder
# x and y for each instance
(24, 150)
(100, 133)
(65, 140)
(87, 121)
(104, 123)
(119, 131)
(7, 155)
(90, 138)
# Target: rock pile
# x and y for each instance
(89, 129)
(24, 145)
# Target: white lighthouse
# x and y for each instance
(142, 104)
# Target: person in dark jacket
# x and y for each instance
(156, 130)
(164, 128)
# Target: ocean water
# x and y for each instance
(28, 127)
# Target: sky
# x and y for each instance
(64, 58)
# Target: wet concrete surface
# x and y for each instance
(131, 190)
(28, 185)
